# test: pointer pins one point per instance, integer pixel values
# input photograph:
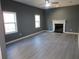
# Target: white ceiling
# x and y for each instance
(41, 3)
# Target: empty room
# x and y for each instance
(39, 29)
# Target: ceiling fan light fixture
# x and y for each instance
(47, 3)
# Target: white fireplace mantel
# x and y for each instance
(58, 22)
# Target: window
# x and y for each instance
(10, 22)
(37, 21)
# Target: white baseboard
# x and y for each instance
(71, 33)
(25, 37)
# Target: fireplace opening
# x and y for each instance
(58, 28)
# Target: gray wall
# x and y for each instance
(25, 18)
(70, 14)
(2, 37)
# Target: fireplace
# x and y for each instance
(59, 28)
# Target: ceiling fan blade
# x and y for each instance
(54, 2)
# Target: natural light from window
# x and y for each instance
(37, 21)
(10, 22)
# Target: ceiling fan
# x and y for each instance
(49, 3)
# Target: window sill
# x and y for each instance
(11, 33)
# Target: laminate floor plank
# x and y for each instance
(45, 46)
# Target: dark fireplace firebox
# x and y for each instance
(59, 28)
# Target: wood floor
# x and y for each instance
(45, 46)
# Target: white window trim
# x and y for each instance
(15, 21)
